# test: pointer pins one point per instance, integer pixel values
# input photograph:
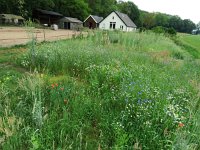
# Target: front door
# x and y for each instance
(67, 25)
(90, 25)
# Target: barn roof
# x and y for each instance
(70, 19)
(97, 19)
(11, 16)
(46, 12)
(125, 18)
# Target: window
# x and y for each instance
(112, 25)
(113, 17)
(121, 27)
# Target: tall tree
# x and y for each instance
(147, 20)
(102, 7)
(161, 20)
(198, 25)
(108, 6)
(95, 7)
(176, 23)
(131, 10)
(188, 26)
(12, 6)
(72, 8)
(30, 5)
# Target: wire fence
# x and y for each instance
(40, 36)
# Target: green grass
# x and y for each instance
(192, 40)
(9, 55)
(191, 43)
(111, 90)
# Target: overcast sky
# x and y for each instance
(186, 9)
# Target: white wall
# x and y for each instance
(105, 24)
(131, 29)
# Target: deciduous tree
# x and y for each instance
(131, 10)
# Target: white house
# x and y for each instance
(119, 21)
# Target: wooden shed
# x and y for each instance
(70, 23)
(92, 21)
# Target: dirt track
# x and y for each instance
(10, 36)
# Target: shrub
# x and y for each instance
(165, 31)
(171, 31)
(177, 55)
(142, 29)
(159, 30)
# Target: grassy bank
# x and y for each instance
(111, 90)
(190, 43)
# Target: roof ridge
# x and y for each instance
(126, 19)
(95, 15)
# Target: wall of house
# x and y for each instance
(73, 26)
(60, 24)
(90, 23)
(11, 21)
(130, 29)
(76, 26)
(105, 24)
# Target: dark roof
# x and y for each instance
(125, 18)
(49, 12)
(70, 19)
(97, 19)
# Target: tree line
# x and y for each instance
(82, 8)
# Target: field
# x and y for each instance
(11, 36)
(191, 43)
(109, 90)
(192, 40)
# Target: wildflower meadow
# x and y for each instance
(109, 90)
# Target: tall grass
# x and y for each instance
(111, 90)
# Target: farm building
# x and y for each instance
(70, 23)
(11, 19)
(46, 17)
(92, 21)
(119, 21)
(196, 31)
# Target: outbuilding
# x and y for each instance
(196, 31)
(70, 23)
(117, 21)
(46, 17)
(11, 19)
(92, 21)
